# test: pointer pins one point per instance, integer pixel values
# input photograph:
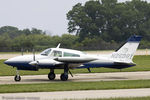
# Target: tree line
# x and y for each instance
(110, 20)
(98, 25)
(13, 39)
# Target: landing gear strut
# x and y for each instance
(64, 76)
(17, 78)
(51, 75)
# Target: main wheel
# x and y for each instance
(64, 77)
(51, 76)
(17, 78)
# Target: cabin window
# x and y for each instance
(46, 52)
(56, 53)
(66, 54)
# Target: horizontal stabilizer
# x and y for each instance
(124, 63)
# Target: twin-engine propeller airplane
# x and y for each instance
(59, 58)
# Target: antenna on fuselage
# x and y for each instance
(58, 45)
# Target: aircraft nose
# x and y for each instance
(8, 62)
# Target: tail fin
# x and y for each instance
(127, 51)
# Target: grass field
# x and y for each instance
(70, 86)
(143, 64)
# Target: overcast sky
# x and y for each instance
(49, 15)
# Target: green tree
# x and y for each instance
(36, 31)
(109, 19)
(68, 40)
(26, 31)
(10, 30)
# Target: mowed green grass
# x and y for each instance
(71, 86)
(143, 64)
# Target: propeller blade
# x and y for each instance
(33, 55)
(22, 51)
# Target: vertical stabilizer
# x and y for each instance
(127, 51)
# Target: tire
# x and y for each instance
(17, 78)
(64, 77)
(51, 76)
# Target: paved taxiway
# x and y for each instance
(78, 77)
(77, 94)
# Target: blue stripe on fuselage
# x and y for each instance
(27, 66)
(109, 65)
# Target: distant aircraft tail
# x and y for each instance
(126, 52)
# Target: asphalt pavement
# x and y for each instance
(90, 94)
(85, 77)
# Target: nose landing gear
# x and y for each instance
(17, 78)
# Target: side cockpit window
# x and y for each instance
(56, 54)
(46, 52)
(66, 54)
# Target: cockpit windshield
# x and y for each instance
(46, 52)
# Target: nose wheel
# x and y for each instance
(17, 78)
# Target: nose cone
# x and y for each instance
(12, 61)
(8, 62)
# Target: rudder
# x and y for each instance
(127, 51)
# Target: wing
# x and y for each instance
(74, 59)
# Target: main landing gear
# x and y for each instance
(63, 76)
(51, 75)
(17, 78)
